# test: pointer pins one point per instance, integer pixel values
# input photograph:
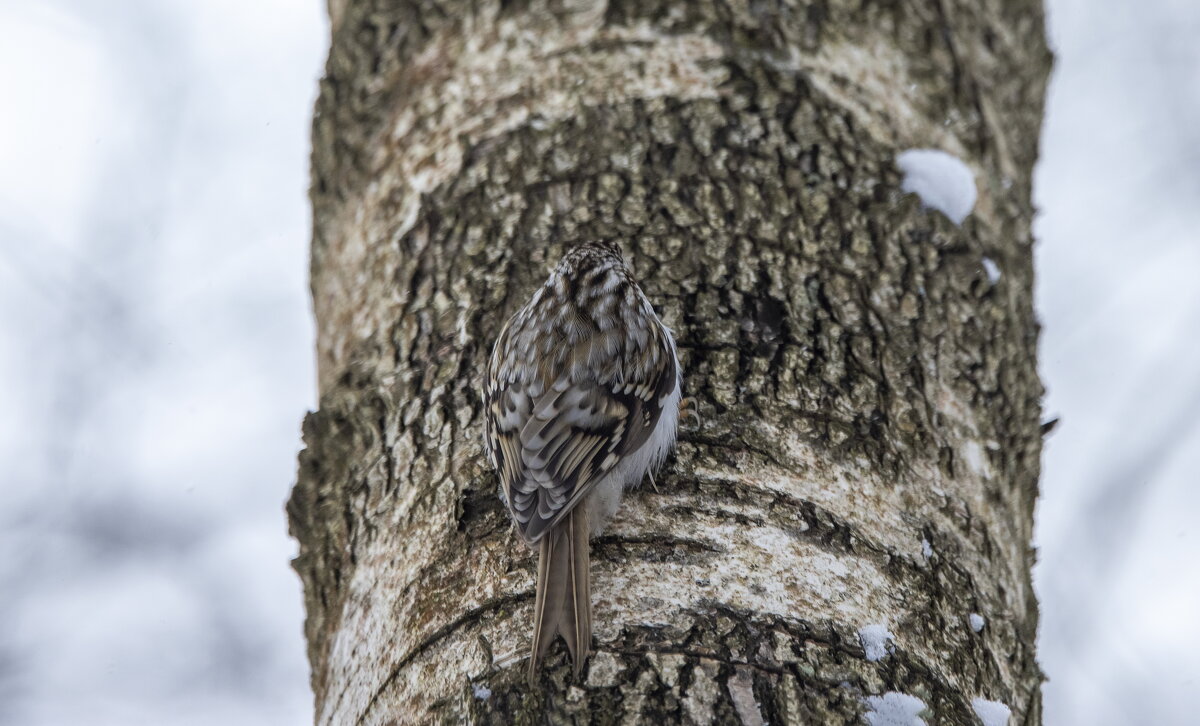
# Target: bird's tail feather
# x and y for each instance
(564, 591)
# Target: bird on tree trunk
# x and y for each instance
(582, 401)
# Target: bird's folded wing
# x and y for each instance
(550, 449)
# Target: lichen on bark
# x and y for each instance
(868, 444)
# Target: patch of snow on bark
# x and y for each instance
(895, 709)
(941, 180)
(973, 454)
(991, 713)
(977, 622)
(992, 270)
(876, 641)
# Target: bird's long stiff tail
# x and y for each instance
(564, 591)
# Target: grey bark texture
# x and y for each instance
(868, 445)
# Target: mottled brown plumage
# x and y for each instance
(581, 400)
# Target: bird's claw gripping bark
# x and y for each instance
(689, 409)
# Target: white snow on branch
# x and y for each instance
(926, 548)
(483, 693)
(895, 709)
(941, 180)
(977, 622)
(876, 641)
(991, 713)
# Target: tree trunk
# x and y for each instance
(850, 519)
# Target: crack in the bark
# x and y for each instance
(433, 638)
(698, 654)
(665, 541)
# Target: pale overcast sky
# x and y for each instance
(153, 259)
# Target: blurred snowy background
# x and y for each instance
(153, 242)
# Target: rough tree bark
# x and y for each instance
(869, 440)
